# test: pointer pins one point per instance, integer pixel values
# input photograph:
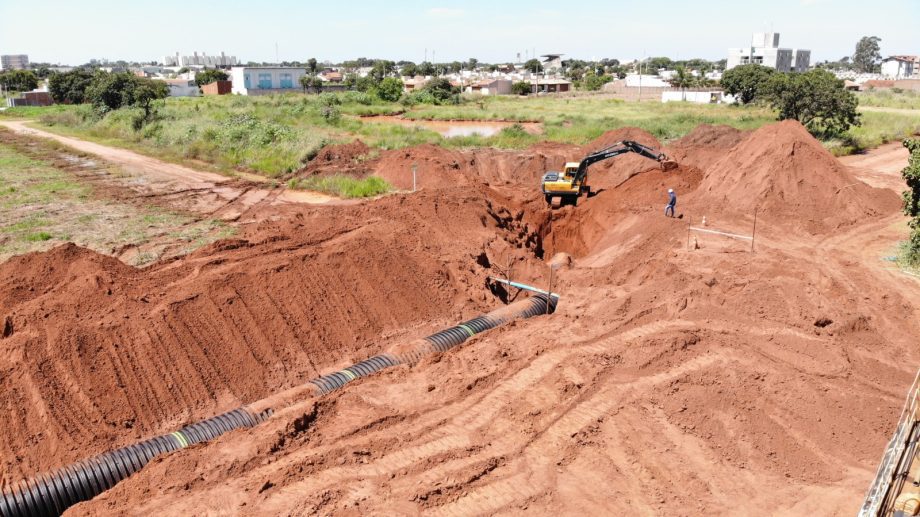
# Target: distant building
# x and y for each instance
(261, 80)
(900, 67)
(765, 50)
(217, 88)
(491, 87)
(14, 62)
(552, 62)
(550, 86)
(201, 60)
(181, 87)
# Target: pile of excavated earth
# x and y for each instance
(681, 373)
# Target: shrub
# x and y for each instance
(331, 114)
(521, 88)
(344, 186)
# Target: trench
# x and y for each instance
(53, 493)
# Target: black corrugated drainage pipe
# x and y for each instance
(51, 494)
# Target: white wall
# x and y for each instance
(238, 76)
(697, 97)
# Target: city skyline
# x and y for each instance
(445, 31)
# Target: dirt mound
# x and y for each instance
(438, 167)
(96, 353)
(609, 173)
(785, 174)
(706, 144)
(350, 158)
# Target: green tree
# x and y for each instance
(390, 89)
(593, 82)
(911, 175)
(867, 56)
(210, 75)
(309, 82)
(311, 65)
(441, 89)
(815, 98)
(70, 87)
(472, 63)
(426, 69)
(145, 92)
(409, 69)
(111, 91)
(183, 70)
(658, 63)
(533, 65)
(683, 79)
(19, 80)
(521, 88)
(382, 68)
(747, 82)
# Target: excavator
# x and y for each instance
(566, 186)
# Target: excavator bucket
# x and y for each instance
(668, 165)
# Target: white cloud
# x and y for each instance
(446, 12)
(815, 2)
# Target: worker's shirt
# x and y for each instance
(673, 200)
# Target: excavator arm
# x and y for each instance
(626, 146)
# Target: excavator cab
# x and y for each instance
(566, 186)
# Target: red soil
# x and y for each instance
(669, 381)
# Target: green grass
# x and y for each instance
(343, 186)
(890, 98)
(877, 128)
(278, 134)
(42, 206)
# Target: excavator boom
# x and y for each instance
(569, 184)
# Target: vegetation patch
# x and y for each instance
(343, 186)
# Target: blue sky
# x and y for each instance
(72, 32)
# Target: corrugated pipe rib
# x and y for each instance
(51, 494)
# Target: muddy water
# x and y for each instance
(452, 128)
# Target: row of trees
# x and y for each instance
(815, 98)
(107, 91)
(867, 58)
(18, 80)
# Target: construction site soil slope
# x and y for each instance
(96, 353)
(699, 381)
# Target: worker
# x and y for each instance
(672, 202)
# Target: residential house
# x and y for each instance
(182, 87)
(262, 80)
(547, 85)
(491, 87)
(900, 67)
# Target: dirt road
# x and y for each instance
(198, 191)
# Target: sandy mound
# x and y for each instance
(785, 174)
(96, 353)
(706, 144)
(614, 171)
(439, 167)
(350, 158)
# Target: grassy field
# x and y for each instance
(275, 135)
(901, 99)
(42, 206)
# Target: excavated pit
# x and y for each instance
(678, 378)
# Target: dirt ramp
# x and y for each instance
(787, 175)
